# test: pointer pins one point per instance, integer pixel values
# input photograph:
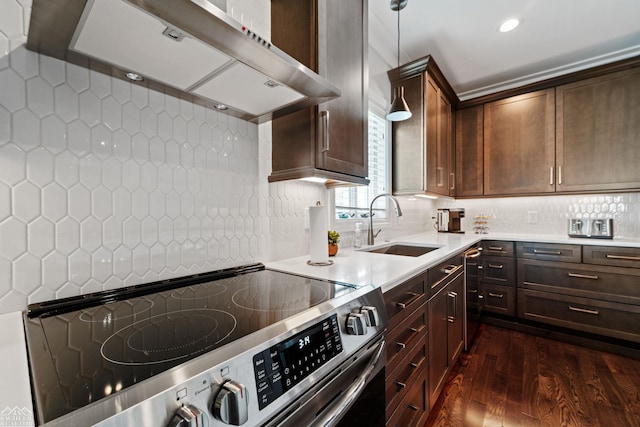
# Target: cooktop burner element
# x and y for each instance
(168, 337)
(84, 349)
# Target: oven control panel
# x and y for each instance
(287, 363)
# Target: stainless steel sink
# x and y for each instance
(402, 249)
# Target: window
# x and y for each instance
(353, 202)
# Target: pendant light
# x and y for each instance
(399, 109)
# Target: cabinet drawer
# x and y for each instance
(414, 408)
(440, 275)
(500, 299)
(405, 298)
(614, 284)
(405, 375)
(584, 314)
(615, 256)
(549, 251)
(402, 339)
(498, 270)
(497, 248)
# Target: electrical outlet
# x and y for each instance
(532, 217)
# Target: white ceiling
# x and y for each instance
(554, 37)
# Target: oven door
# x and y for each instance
(353, 394)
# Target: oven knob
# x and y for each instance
(371, 315)
(187, 416)
(231, 404)
(356, 324)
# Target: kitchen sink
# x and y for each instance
(403, 249)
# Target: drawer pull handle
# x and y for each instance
(401, 385)
(473, 291)
(413, 407)
(401, 344)
(583, 276)
(417, 330)
(497, 266)
(583, 310)
(624, 257)
(544, 252)
(491, 294)
(451, 268)
(414, 296)
(496, 248)
(472, 264)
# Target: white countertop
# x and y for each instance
(363, 268)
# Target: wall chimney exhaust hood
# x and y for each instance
(187, 48)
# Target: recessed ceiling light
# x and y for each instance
(220, 107)
(134, 76)
(509, 25)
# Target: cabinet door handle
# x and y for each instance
(401, 344)
(324, 116)
(454, 297)
(623, 257)
(414, 297)
(413, 407)
(582, 276)
(452, 177)
(551, 175)
(400, 384)
(545, 252)
(491, 294)
(559, 175)
(497, 266)
(496, 248)
(584, 310)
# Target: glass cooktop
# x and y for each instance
(83, 351)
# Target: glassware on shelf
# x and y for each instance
(480, 224)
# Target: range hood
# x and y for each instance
(187, 48)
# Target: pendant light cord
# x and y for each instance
(398, 36)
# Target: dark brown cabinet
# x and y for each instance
(407, 353)
(575, 133)
(497, 277)
(586, 296)
(446, 323)
(423, 145)
(519, 144)
(469, 150)
(330, 140)
(597, 133)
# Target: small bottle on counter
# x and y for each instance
(357, 242)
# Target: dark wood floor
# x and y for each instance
(514, 379)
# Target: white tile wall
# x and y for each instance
(105, 184)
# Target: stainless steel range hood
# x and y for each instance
(187, 48)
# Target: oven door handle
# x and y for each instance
(352, 393)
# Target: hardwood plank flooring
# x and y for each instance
(513, 379)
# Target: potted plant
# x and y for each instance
(334, 238)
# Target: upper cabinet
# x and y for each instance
(519, 148)
(422, 152)
(576, 133)
(469, 171)
(598, 133)
(328, 141)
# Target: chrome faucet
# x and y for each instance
(371, 237)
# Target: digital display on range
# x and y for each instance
(285, 364)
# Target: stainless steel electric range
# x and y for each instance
(243, 346)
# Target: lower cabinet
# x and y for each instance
(591, 294)
(407, 368)
(446, 333)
